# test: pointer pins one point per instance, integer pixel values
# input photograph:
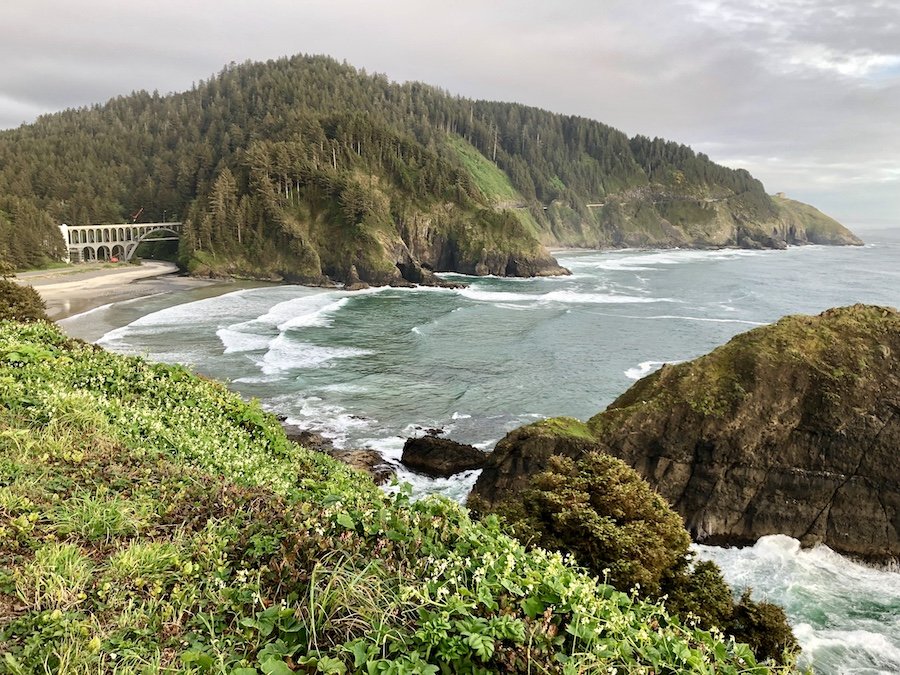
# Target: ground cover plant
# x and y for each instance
(151, 521)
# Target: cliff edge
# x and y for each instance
(790, 428)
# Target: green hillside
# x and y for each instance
(304, 167)
(152, 522)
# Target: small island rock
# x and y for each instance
(440, 457)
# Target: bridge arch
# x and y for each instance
(102, 242)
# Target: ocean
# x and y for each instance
(370, 368)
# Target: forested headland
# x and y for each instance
(306, 169)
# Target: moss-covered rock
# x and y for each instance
(790, 428)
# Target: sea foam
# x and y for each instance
(846, 615)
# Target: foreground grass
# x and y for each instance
(151, 521)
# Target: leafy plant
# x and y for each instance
(173, 528)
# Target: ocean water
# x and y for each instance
(371, 368)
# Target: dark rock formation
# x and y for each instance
(792, 428)
(308, 439)
(353, 281)
(525, 451)
(367, 461)
(440, 457)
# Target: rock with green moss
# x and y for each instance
(600, 510)
(791, 428)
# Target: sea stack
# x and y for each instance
(792, 428)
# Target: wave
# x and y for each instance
(236, 342)
(702, 318)
(628, 261)
(846, 615)
(314, 310)
(313, 413)
(645, 368)
(561, 296)
(285, 354)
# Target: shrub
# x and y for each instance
(603, 512)
(21, 303)
(763, 626)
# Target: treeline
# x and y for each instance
(261, 150)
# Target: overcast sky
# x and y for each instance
(805, 94)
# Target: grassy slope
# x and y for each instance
(493, 183)
(820, 228)
(151, 521)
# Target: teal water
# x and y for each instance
(371, 368)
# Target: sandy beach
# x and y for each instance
(68, 291)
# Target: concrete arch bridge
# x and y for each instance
(86, 243)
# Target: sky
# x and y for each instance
(805, 94)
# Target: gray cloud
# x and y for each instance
(803, 93)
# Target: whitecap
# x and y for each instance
(308, 310)
(568, 296)
(456, 487)
(334, 422)
(746, 322)
(285, 354)
(560, 296)
(645, 368)
(846, 615)
(235, 341)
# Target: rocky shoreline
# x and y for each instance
(792, 428)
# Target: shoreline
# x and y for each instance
(68, 292)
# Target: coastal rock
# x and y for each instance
(440, 457)
(308, 439)
(366, 460)
(353, 281)
(792, 428)
(525, 451)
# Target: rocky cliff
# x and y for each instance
(791, 428)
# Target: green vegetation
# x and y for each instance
(797, 218)
(487, 176)
(718, 383)
(303, 167)
(151, 521)
(17, 302)
(601, 511)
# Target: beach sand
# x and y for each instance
(68, 291)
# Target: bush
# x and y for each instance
(764, 627)
(601, 511)
(21, 303)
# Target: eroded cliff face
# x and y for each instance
(792, 428)
(658, 216)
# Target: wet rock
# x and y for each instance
(369, 461)
(308, 439)
(440, 457)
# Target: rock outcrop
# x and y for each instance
(440, 457)
(792, 428)
(366, 460)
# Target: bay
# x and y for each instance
(370, 368)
